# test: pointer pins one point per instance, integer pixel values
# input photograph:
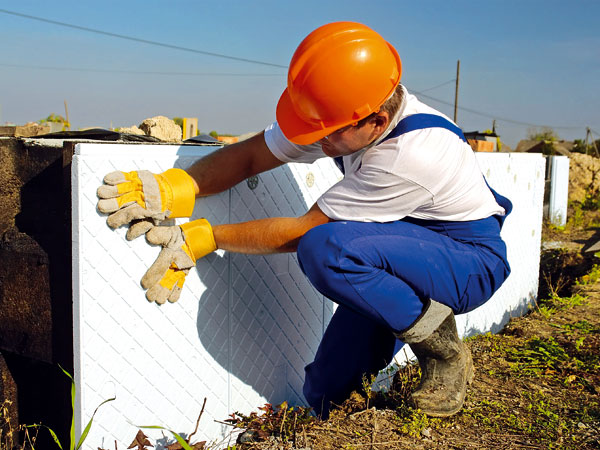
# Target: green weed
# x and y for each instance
(73, 444)
(142, 442)
(413, 421)
(577, 218)
(367, 387)
(590, 278)
(538, 417)
(548, 307)
(493, 343)
(555, 228)
(546, 420)
(539, 356)
(7, 431)
(581, 326)
(404, 381)
(281, 420)
(489, 413)
(546, 311)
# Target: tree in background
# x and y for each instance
(589, 149)
(179, 121)
(542, 134)
(214, 134)
(546, 135)
(55, 118)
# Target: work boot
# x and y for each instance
(446, 364)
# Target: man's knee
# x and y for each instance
(317, 252)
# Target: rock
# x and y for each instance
(249, 436)
(132, 130)
(163, 128)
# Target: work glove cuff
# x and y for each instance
(199, 238)
(181, 199)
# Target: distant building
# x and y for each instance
(546, 147)
(482, 141)
(228, 139)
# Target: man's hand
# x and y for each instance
(143, 199)
(182, 247)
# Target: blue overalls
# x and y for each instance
(380, 274)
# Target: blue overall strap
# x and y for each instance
(420, 121)
(339, 162)
(412, 123)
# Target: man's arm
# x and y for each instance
(232, 164)
(271, 235)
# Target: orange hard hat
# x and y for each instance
(339, 74)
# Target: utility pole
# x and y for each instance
(456, 92)
(67, 124)
(589, 137)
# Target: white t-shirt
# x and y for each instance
(428, 174)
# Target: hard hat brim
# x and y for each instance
(295, 128)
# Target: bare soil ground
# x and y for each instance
(537, 382)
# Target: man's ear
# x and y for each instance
(382, 120)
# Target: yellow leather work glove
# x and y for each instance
(182, 246)
(143, 199)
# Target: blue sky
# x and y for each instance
(523, 63)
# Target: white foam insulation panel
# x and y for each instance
(520, 177)
(245, 326)
(558, 197)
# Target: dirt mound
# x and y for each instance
(584, 176)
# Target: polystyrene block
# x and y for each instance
(520, 177)
(559, 190)
(245, 326)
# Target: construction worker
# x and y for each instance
(408, 238)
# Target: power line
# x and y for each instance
(143, 41)
(137, 72)
(491, 116)
(438, 86)
(235, 58)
